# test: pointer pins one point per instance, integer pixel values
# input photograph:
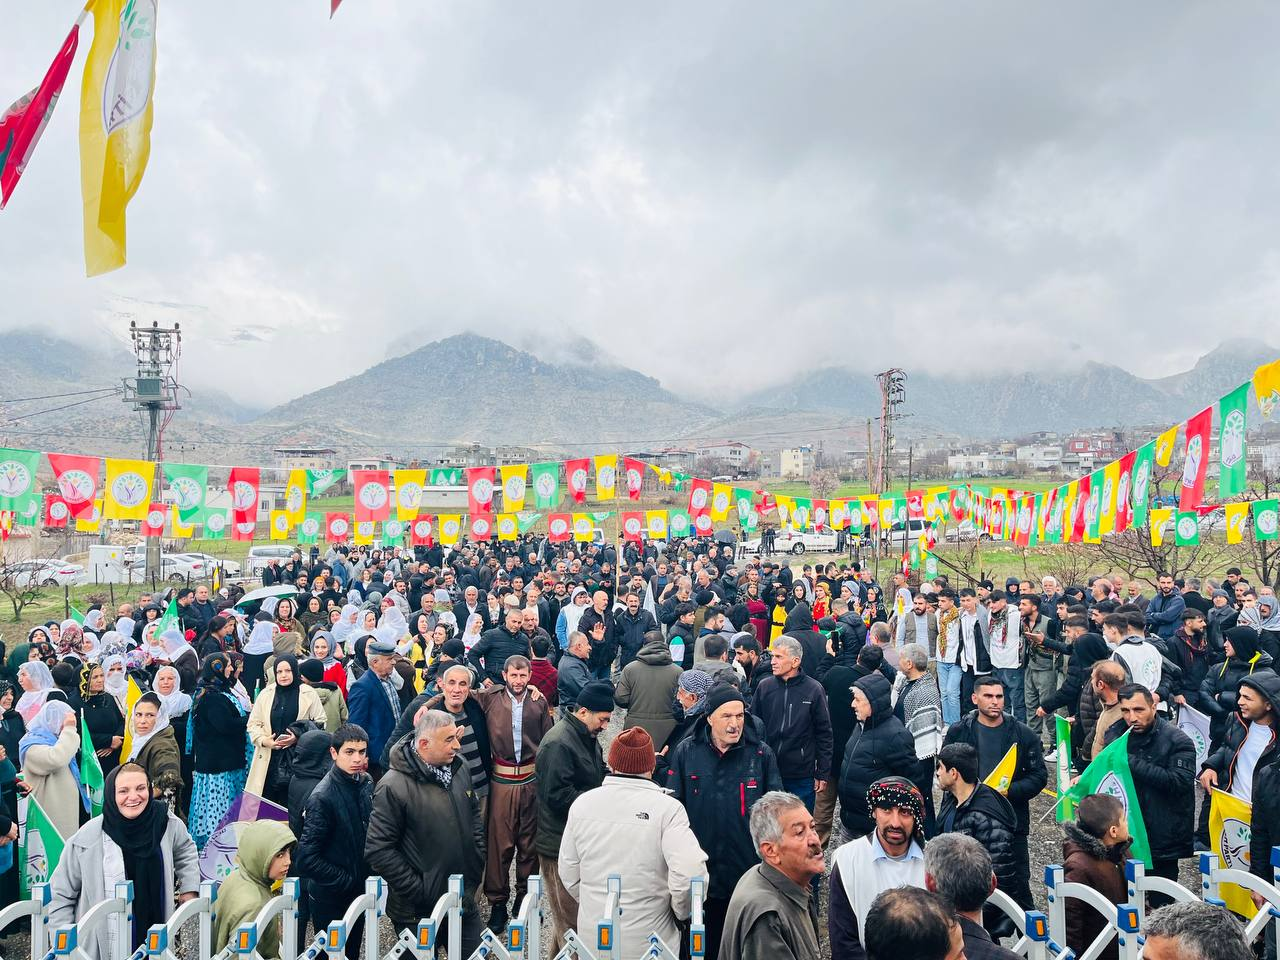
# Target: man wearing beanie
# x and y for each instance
(718, 772)
(630, 826)
(569, 764)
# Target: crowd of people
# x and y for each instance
(420, 714)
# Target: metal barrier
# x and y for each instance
(37, 908)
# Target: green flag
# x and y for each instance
(1186, 529)
(678, 524)
(545, 478)
(309, 528)
(1231, 448)
(446, 477)
(39, 849)
(393, 532)
(526, 519)
(215, 525)
(318, 481)
(19, 491)
(1140, 486)
(169, 620)
(76, 615)
(1093, 508)
(1109, 773)
(187, 483)
(90, 769)
(1063, 765)
(1266, 519)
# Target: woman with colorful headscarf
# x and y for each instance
(70, 640)
(36, 681)
(322, 649)
(291, 635)
(102, 716)
(48, 754)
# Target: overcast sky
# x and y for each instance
(720, 194)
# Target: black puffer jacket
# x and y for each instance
(311, 761)
(988, 818)
(1220, 689)
(1029, 776)
(421, 831)
(1087, 651)
(799, 627)
(879, 746)
(717, 791)
(331, 846)
(494, 648)
(1265, 829)
(629, 631)
(1223, 760)
(797, 725)
(1163, 764)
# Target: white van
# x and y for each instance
(259, 557)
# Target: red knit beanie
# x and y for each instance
(631, 753)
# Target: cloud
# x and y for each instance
(709, 193)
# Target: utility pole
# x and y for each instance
(871, 486)
(893, 393)
(155, 391)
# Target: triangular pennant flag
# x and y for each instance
(1002, 774)
(1109, 773)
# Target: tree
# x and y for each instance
(823, 483)
(1261, 557)
(17, 584)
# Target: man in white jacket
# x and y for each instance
(632, 827)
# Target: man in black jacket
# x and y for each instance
(971, 807)
(1162, 761)
(793, 707)
(604, 643)
(335, 820)
(756, 664)
(629, 627)
(718, 773)
(490, 655)
(991, 732)
(1247, 749)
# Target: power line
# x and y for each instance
(56, 396)
(65, 406)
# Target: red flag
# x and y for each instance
(244, 530)
(559, 527)
(632, 526)
(575, 474)
(243, 486)
(480, 490)
(337, 527)
(699, 496)
(481, 527)
(1080, 522)
(1124, 492)
(956, 498)
(1023, 511)
(333, 7)
(702, 525)
(23, 123)
(634, 472)
(373, 494)
(77, 479)
(1197, 460)
(915, 504)
(153, 525)
(819, 514)
(420, 531)
(56, 510)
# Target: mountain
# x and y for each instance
(1010, 405)
(468, 387)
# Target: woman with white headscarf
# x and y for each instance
(48, 754)
(115, 681)
(37, 683)
(176, 705)
(95, 621)
(259, 646)
(182, 655)
(346, 624)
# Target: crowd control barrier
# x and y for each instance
(1040, 935)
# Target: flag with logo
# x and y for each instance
(1237, 516)
(22, 125)
(115, 124)
(656, 521)
(514, 481)
(362, 532)
(1080, 523)
(699, 496)
(1109, 773)
(633, 475)
(1124, 492)
(480, 526)
(243, 484)
(309, 528)
(215, 524)
(583, 527)
(19, 491)
(480, 489)
(92, 521)
(243, 530)
(1230, 831)
(183, 531)
(1196, 726)
(1266, 387)
(1196, 462)
(1160, 517)
(507, 525)
(446, 477)
(91, 777)
(319, 481)
(40, 845)
(1069, 498)
(1231, 442)
(632, 525)
(421, 531)
(187, 484)
(279, 524)
(1186, 528)
(1144, 459)
(337, 527)
(153, 522)
(606, 476)
(545, 478)
(295, 496)
(1093, 508)
(525, 520)
(1062, 765)
(56, 511)
(1002, 774)
(218, 857)
(1107, 501)
(576, 473)
(721, 501)
(372, 495)
(1164, 445)
(450, 528)
(1266, 519)
(133, 693)
(409, 486)
(679, 524)
(77, 479)
(559, 527)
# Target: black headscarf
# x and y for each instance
(139, 841)
(284, 703)
(213, 674)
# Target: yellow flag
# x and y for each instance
(450, 528)
(93, 521)
(508, 526)
(295, 497)
(1002, 775)
(721, 501)
(182, 531)
(363, 532)
(935, 502)
(656, 521)
(132, 694)
(1159, 518)
(1068, 509)
(1230, 826)
(515, 480)
(1164, 445)
(127, 490)
(583, 528)
(1110, 484)
(116, 111)
(409, 487)
(280, 525)
(606, 476)
(1237, 519)
(885, 508)
(1266, 387)
(786, 506)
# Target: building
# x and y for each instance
(307, 458)
(739, 457)
(963, 465)
(796, 463)
(1040, 457)
(675, 458)
(385, 462)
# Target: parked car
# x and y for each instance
(229, 567)
(173, 566)
(47, 573)
(259, 557)
(788, 540)
(963, 532)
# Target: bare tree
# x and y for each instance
(823, 483)
(1261, 557)
(19, 585)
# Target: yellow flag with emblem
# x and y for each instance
(1230, 829)
(126, 494)
(91, 522)
(1159, 524)
(1000, 778)
(116, 111)
(1237, 516)
(1164, 446)
(133, 693)
(295, 497)
(1110, 485)
(279, 524)
(183, 531)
